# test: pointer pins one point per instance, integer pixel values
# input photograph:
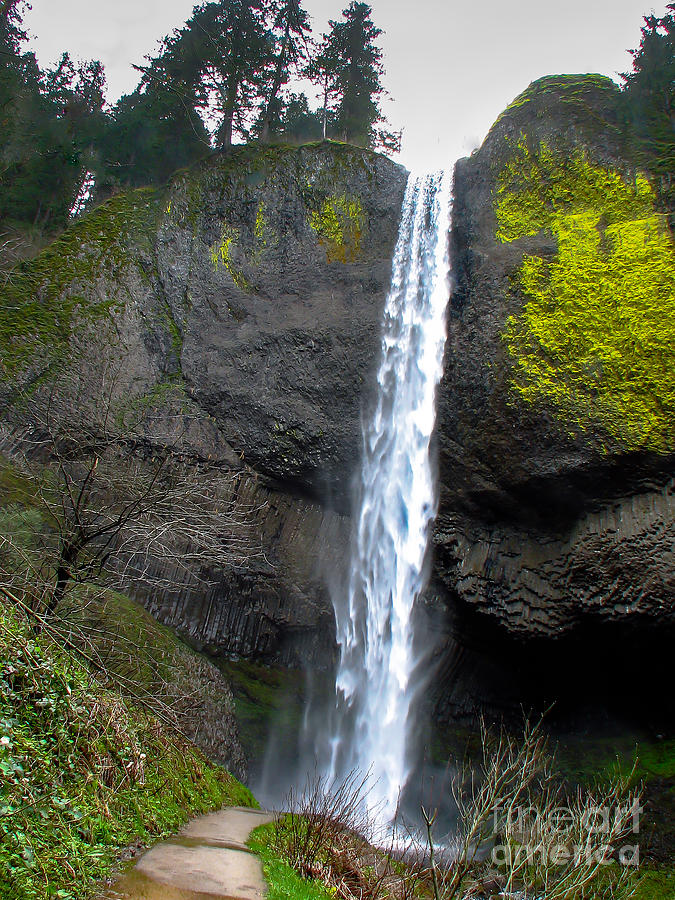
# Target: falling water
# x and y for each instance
(374, 686)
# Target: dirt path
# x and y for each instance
(208, 858)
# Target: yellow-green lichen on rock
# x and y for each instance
(221, 255)
(264, 235)
(339, 225)
(596, 337)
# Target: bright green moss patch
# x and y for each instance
(283, 882)
(565, 89)
(539, 189)
(596, 337)
(221, 255)
(339, 225)
(83, 772)
(45, 297)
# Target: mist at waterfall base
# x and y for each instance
(367, 719)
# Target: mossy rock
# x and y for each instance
(596, 337)
(48, 298)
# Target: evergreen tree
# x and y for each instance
(232, 47)
(157, 129)
(49, 123)
(349, 69)
(650, 95)
(297, 122)
(152, 133)
(291, 33)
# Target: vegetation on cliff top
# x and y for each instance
(596, 336)
(223, 76)
(45, 298)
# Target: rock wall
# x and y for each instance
(276, 608)
(556, 412)
(232, 318)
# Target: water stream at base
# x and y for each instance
(375, 683)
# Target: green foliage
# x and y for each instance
(83, 772)
(48, 296)
(650, 99)
(284, 883)
(50, 122)
(151, 133)
(290, 32)
(595, 338)
(339, 225)
(297, 122)
(349, 69)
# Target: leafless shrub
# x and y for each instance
(521, 834)
(117, 507)
(330, 834)
(12, 248)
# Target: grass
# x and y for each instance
(283, 882)
(657, 884)
(84, 772)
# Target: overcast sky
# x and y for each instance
(452, 65)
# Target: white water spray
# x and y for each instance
(397, 502)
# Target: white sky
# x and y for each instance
(451, 66)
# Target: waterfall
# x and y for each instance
(396, 504)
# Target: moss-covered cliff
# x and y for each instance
(232, 317)
(557, 411)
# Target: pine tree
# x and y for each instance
(49, 125)
(297, 122)
(291, 32)
(233, 47)
(650, 95)
(349, 68)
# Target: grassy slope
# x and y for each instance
(283, 881)
(83, 772)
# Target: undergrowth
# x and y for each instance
(84, 773)
(284, 883)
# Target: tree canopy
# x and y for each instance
(349, 68)
(650, 94)
(49, 125)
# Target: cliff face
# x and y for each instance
(556, 412)
(233, 318)
(273, 265)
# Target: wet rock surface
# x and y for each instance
(548, 532)
(208, 859)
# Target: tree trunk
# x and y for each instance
(276, 84)
(69, 553)
(227, 125)
(325, 108)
